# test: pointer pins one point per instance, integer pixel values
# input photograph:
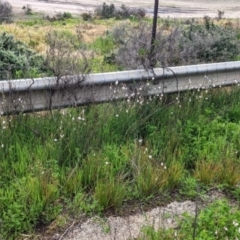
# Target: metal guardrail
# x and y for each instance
(26, 95)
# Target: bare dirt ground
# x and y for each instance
(171, 8)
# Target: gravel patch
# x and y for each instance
(123, 228)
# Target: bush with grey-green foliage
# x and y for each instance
(175, 45)
(17, 60)
(59, 17)
(66, 55)
(5, 11)
(106, 11)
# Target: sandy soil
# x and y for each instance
(168, 8)
(125, 228)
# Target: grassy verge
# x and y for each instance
(97, 158)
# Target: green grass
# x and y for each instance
(95, 158)
(219, 220)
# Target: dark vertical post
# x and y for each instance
(154, 30)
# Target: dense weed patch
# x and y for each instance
(94, 158)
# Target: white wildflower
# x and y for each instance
(235, 223)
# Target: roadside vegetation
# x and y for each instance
(118, 39)
(104, 158)
(100, 158)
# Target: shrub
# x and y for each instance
(16, 60)
(208, 43)
(67, 15)
(220, 15)
(64, 55)
(5, 12)
(86, 16)
(27, 9)
(125, 12)
(134, 45)
(140, 12)
(105, 11)
(59, 17)
(179, 45)
(109, 11)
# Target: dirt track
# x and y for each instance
(172, 8)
